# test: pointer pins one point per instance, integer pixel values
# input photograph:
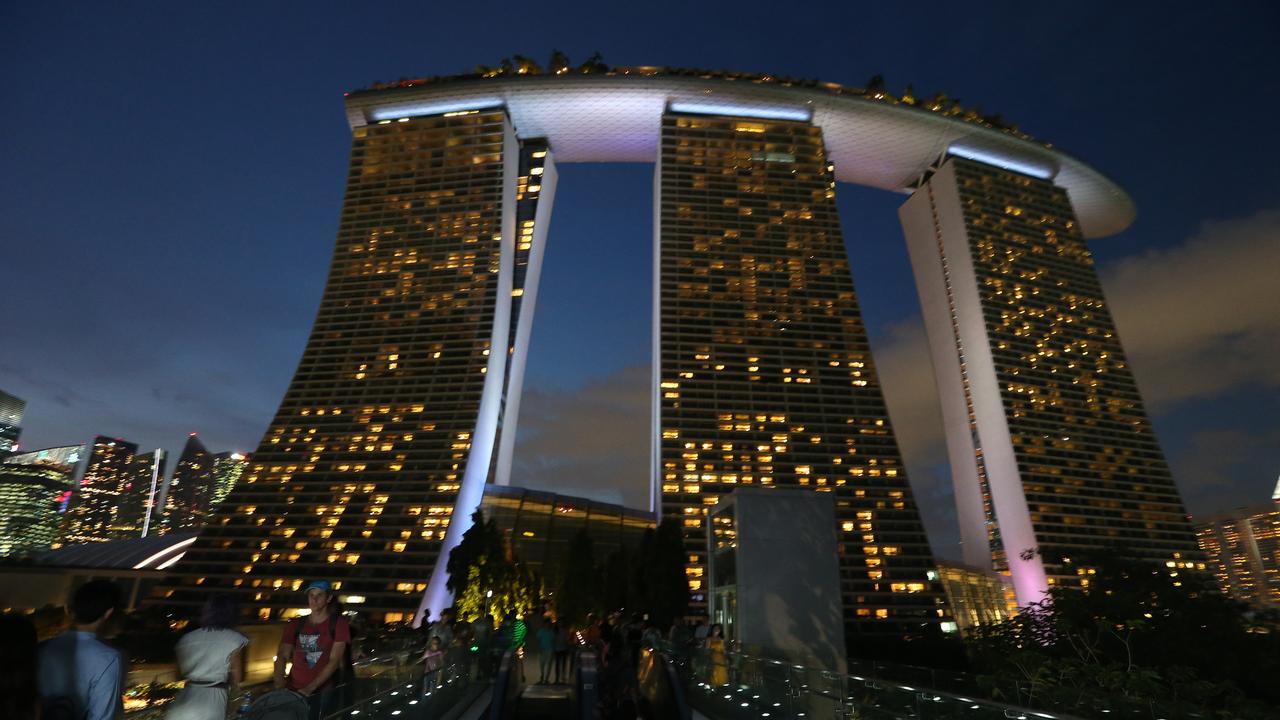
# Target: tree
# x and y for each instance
(663, 586)
(559, 63)
(620, 576)
(1138, 633)
(579, 590)
(526, 66)
(593, 64)
(486, 578)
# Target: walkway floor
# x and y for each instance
(538, 701)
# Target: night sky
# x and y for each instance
(171, 179)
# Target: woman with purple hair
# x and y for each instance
(209, 661)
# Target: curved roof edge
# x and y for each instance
(616, 118)
(154, 552)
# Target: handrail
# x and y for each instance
(586, 684)
(504, 687)
(730, 683)
(411, 686)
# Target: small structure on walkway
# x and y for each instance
(775, 581)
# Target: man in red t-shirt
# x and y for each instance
(317, 646)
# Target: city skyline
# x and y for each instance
(1140, 270)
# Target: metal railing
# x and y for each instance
(728, 684)
(408, 689)
(375, 675)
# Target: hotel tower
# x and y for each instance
(763, 372)
(405, 402)
(395, 414)
(1051, 449)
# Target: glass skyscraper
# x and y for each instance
(141, 500)
(33, 486)
(1243, 549)
(11, 410)
(95, 503)
(188, 497)
(228, 467)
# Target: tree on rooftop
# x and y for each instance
(579, 589)
(559, 62)
(526, 66)
(593, 64)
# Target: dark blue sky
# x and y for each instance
(171, 177)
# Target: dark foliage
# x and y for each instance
(1139, 636)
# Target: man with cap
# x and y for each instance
(316, 644)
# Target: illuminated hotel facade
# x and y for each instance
(405, 401)
(391, 423)
(1051, 449)
(763, 367)
(1243, 550)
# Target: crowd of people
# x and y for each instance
(78, 676)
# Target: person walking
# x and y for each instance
(317, 646)
(561, 648)
(519, 633)
(716, 656)
(546, 650)
(499, 643)
(210, 660)
(77, 674)
(482, 631)
(19, 698)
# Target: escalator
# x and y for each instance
(515, 699)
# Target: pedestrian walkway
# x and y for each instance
(537, 700)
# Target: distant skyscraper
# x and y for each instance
(11, 409)
(1051, 449)
(977, 596)
(32, 487)
(189, 498)
(392, 418)
(228, 467)
(1243, 549)
(763, 371)
(95, 502)
(140, 501)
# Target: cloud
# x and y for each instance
(1204, 316)
(906, 373)
(1215, 463)
(1197, 320)
(590, 442)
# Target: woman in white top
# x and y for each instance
(209, 661)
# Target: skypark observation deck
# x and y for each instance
(871, 139)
